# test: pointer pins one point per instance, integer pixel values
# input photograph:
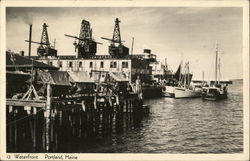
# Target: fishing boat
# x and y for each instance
(217, 90)
(169, 87)
(184, 89)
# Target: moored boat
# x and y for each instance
(184, 89)
(214, 93)
(218, 90)
(181, 92)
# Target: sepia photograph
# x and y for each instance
(124, 79)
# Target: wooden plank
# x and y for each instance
(32, 103)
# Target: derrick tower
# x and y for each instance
(45, 49)
(116, 47)
(86, 46)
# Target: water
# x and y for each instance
(181, 126)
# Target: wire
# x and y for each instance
(23, 118)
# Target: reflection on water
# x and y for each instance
(180, 126)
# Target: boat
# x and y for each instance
(171, 83)
(214, 93)
(151, 90)
(182, 92)
(218, 90)
(184, 89)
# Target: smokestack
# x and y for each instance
(30, 39)
(132, 45)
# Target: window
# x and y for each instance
(91, 64)
(124, 64)
(102, 64)
(70, 64)
(80, 64)
(60, 64)
(113, 64)
(50, 63)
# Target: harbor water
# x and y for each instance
(179, 126)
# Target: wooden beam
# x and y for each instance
(19, 102)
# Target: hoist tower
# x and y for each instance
(116, 47)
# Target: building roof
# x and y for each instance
(17, 61)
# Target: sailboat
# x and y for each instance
(185, 90)
(218, 90)
(168, 88)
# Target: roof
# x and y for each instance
(15, 60)
(80, 77)
(55, 77)
(119, 77)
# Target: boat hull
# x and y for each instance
(186, 93)
(151, 91)
(213, 94)
(168, 91)
(214, 97)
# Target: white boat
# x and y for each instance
(168, 91)
(181, 92)
(185, 90)
(168, 87)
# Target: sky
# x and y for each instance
(175, 33)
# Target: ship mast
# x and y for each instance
(219, 71)
(216, 64)
(188, 73)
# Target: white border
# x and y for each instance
(139, 3)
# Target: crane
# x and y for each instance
(44, 49)
(86, 45)
(116, 47)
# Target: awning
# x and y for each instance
(119, 77)
(80, 77)
(55, 77)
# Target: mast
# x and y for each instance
(216, 63)
(180, 71)
(219, 71)
(185, 75)
(188, 73)
(203, 78)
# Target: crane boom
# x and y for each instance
(36, 42)
(111, 39)
(79, 38)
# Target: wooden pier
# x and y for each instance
(45, 124)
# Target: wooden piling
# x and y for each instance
(47, 117)
(34, 126)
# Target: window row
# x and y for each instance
(113, 64)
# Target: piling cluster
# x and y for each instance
(46, 123)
